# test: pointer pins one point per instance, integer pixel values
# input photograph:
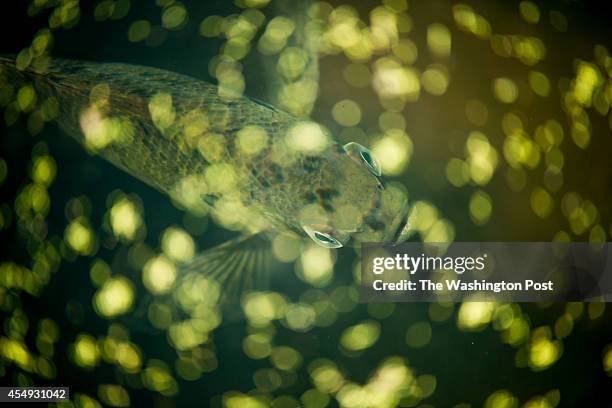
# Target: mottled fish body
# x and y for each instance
(257, 167)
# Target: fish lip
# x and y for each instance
(395, 239)
(400, 221)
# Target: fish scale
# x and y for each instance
(269, 189)
(151, 156)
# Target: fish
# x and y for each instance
(254, 167)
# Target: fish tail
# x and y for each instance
(8, 68)
(19, 77)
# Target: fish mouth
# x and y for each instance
(400, 226)
(403, 227)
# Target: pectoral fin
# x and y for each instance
(237, 266)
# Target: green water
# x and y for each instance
(283, 361)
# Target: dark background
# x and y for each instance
(468, 366)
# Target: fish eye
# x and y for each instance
(367, 157)
(326, 240)
(353, 149)
(322, 238)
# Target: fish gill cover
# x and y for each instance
(179, 178)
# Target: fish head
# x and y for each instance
(349, 204)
